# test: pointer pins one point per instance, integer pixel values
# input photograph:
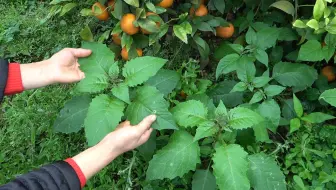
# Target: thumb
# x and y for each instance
(81, 52)
(145, 124)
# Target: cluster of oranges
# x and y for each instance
(128, 27)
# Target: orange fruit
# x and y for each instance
(127, 24)
(103, 15)
(116, 39)
(124, 53)
(166, 3)
(201, 11)
(225, 31)
(111, 3)
(144, 31)
(328, 71)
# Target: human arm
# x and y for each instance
(73, 173)
(62, 67)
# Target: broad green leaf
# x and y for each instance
(164, 80)
(261, 56)
(190, 113)
(226, 48)
(297, 179)
(121, 91)
(103, 116)
(227, 64)
(230, 168)
(205, 129)
(205, 27)
(149, 25)
(151, 6)
(180, 32)
(178, 157)
(287, 110)
(251, 36)
(242, 118)
(260, 132)
(319, 7)
(329, 96)
(273, 90)
(267, 37)
(246, 69)
(270, 110)
(294, 125)
(221, 110)
(126, 41)
(287, 34)
(67, 7)
(71, 117)
(299, 24)
(294, 74)
(220, 5)
(118, 9)
(311, 51)
(148, 148)
(297, 106)
(257, 97)
(203, 180)
(134, 3)
(317, 117)
(313, 24)
(86, 34)
(149, 101)
(264, 173)
(259, 82)
(239, 87)
(96, 68)
(114, 71)
(285, 6)
(222, 92)
(140, 69)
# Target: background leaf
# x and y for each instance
(164, 80)
(190, 113)
(264, 173)
(317, 117)
(227, 64)
(230, 168)
(285, 6)
(294, 74)
(241, 118)
(140, 69)
(297, 106)
(203, 180)
(311, 51)
(71, 117)
(178, 157)
(329, 96)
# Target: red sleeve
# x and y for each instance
(14, 82)
(78, 171)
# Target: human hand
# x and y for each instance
(127, 137)
(64, 66)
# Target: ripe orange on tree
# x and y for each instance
(127, 25)
(116, 39)
(124, 53)
(225, 31)
(166, 3)
(202, 10)
(144, 31)
(328, 71)
(103, 14)
(111, 3)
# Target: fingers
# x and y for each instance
(144, 138)
(124, 124)
(145, 124)
(80, 52)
